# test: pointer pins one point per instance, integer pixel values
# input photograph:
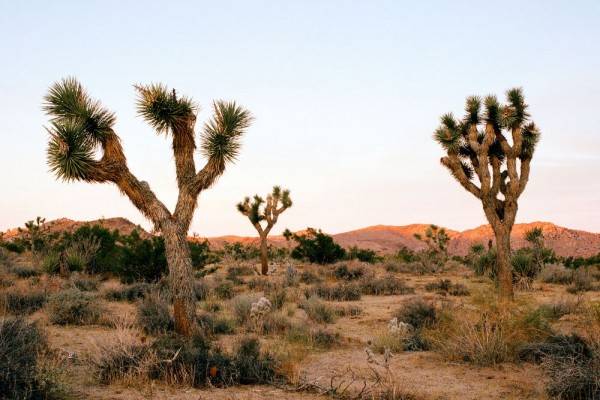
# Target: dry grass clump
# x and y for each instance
(241, 306)
(310, 338)
(24, 271)
(445, 286)
(74, 307)
(318, 310)
(124, 356)
(336, 292)
(555, 310)
(384, 286)
(85, 283)
(21, 302)
(492, 335)
(309, 277)
(413, 267)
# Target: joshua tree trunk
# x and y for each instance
(504, 266)
(180, 271)
(264, 255)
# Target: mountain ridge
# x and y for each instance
(383, 238)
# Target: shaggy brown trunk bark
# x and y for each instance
(504, 265)
(180, 278)
(264, 256)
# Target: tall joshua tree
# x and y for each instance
(80, 128)
(478, 146)
(277, 202)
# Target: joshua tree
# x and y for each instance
(478, 146)
(277, 202)
(34, 232)
(81, 126)
(435, 238)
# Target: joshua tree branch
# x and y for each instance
(453, 164)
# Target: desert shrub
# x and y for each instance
(573, 377)
(24, 271)
(21, 343)
(85, 283)
(153, 315)
(74, 307)
(51, 262)
(555, 346)
(273, 323)
(224, 290)
(6, 282)
(385, 285)
(129, 293)
(309, 277)
(212, 306)
(312, 338)
(555, 310)
(412, 267)
(262, 284)
(292, 277)
(277, 298)
(525, 265)
(13, 247)
(318, 310)
(338, 292)
(141, 259)
(122, 356)
(364, 255)
(317, 247)
(201, 254)
(445, 286)
(241, 252)
(253, 368)
(347, 311)
(241, 305)
(201, 290)
(343, 272)
(388, 340)
(484, 263)
(234, 273)
(418, 313)
(22, 302)
(583, 281)
(223, 326)
(198, 362)
(555, 273)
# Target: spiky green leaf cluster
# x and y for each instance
(70, 151)
(282, 196)
(221, 135)
(67, 100)
(252, 208)
(162, 108)
(453, 135)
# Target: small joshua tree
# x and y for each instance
(277, 202)
(478, 146)
(436, 240)
(34, 233)
(81, 126)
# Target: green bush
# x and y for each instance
(153, 315)
(23, 303)
(21, 344)
(309, 277)
(73, 307)
(242, 305)
(555, 273)
(317, 247)
(85, 283)
(252, 367)
(364, 255)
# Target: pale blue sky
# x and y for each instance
(345, 96)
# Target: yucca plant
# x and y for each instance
(80, 128)
(477, 146)
(257, 210)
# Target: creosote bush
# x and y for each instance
(418, 313)
(342, 271)
(24, 271)
(554, 273)
(73, 307)
(129, 293)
